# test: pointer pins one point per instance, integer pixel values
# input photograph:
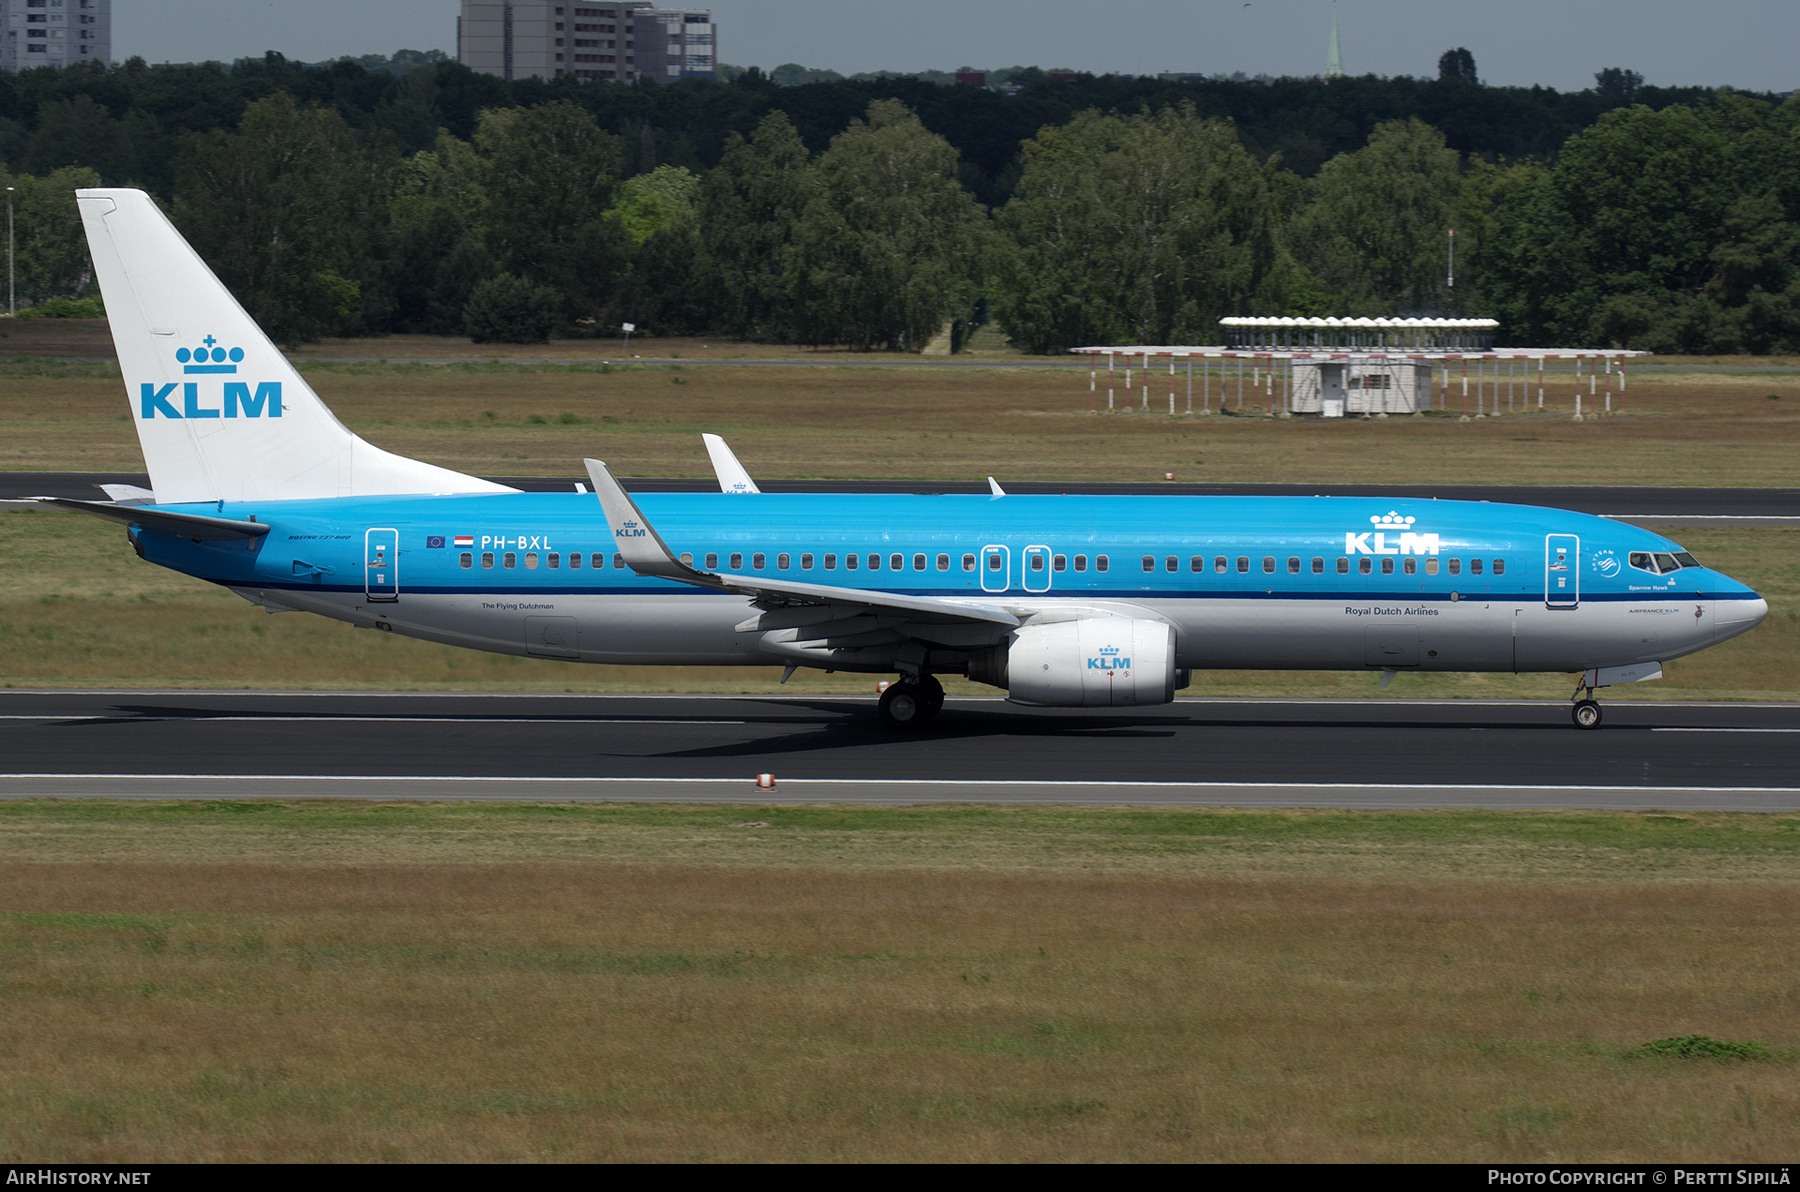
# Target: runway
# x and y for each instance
(831, 749)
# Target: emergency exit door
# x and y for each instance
(381, 564)
(1562, 571)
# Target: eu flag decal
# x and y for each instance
(435, 542)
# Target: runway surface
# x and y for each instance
(1674, 506)
(1347, 753)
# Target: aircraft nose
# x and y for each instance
(1738, 616)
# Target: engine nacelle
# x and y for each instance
(1101, 662)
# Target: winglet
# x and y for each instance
(994, 487)
(732, 476)
(635, 538)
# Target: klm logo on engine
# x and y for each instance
(1110, 659)
(235, 400)
(1390, 534)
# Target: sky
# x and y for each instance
(1558, 43)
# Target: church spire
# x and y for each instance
(1334, 56)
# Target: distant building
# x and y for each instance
(618, 42)
(55, 32)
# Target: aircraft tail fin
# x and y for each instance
(732, 476)
(221, 414)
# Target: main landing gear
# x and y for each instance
(911, 702)
(1586, 712)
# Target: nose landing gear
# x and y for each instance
(909, 703)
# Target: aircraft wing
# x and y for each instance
(646, 553)
(197, 526)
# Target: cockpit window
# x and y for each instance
(1661, 564)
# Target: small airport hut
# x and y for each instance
(1363, 367)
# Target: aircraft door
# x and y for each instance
(1562, 571)
(381, 564)
(1034, 569)
(996, 568)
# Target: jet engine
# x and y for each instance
(1093, 663)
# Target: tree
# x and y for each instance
(510, 310)
(282, 211)
(49, 246)
(750, 206)
(436, 214)
(1617, 86)
(1376, 229)
(1146, 228)
(1457, 66)
(890, 247)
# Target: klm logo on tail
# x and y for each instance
(236, 401)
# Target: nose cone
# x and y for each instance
(1738, 609)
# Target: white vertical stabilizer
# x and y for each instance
(220, 413)
(732, 476)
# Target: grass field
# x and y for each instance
(233, 981)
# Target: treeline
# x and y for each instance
(875, 213)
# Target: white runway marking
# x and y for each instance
(127, 716)
(1725, 730)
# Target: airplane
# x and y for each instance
(1060, 601)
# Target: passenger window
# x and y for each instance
(782, 561)
(1037, 562)
(831, 562)
(1243, 563)
(1081, 562)
(1318, 565)
(849, 562)
(487, 558)
(1149, 562)
(968, 562)
(1430, 566)
(1411, 566)
(1197, 563)
(1343, 566)
(737, 561)
(1455, 567)
(1171, 564)
(575, 561)
(467, 560)
(618, 562)
(1059, 563)
(874, 562)
(918, 562)
(1221, 564)
(510, 560)
(758, 561)
(1363, 566)
(531, 561)
(687, 558)
(806, 562)
(553, 561)
(994, 562)
(1293, 565)
(1101, 563)
(712, 561)
(1387, 567)
(895, 563)
(943, 562)
(1499, 566)
(1268, 564)
(1474, 566)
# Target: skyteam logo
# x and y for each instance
(234, 401)
(1606, 563)
(1390, 533)
(1110, 659)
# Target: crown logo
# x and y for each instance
(209, 358)
(1392, 521)
(1109, 651)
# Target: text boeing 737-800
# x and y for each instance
(1073, 601)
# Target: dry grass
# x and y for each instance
(866, 420)
(317, 983)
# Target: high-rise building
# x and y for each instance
(54, 32)
(618, 42)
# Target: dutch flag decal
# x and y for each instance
(463, 540)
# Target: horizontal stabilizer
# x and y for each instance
(128, 494)
(183, 525)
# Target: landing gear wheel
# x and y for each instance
(904, 706)
(1586, 714)
(933, 692)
